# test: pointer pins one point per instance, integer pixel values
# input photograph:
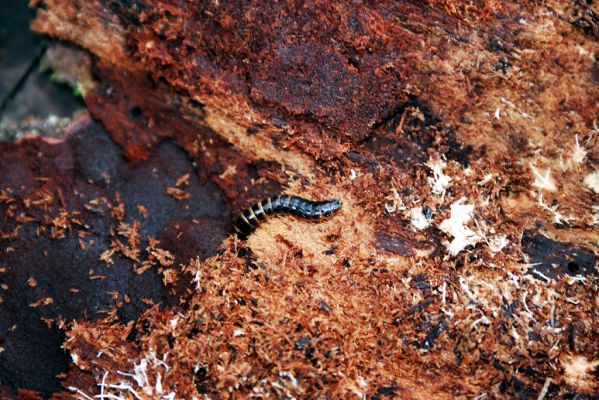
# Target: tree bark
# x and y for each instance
(461, 141)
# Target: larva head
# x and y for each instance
(330, 206)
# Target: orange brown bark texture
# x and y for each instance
(461, 139)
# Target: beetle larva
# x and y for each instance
(250, 218)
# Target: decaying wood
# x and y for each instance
(461, 141)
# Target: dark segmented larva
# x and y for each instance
(250, 218)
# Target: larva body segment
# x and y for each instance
(250, 218)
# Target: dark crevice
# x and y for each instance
(21, 81)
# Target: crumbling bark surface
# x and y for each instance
(462, 143)
(78, 239)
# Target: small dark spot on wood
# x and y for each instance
(427, 212)
(171, 342)
(433, 335)
(130, 337)
(497, 364)
(200, 377)
(233, 351)
(495, 45)
(280, 123)
(572, 333)
(301, 343)
(385, 391)
(422, 285)
(309, 353)
(456, 151)
(418, 278)
(413, 310)
(331, 251)
(325, 307)
(42, 5)
(533, 336)
(355, 24)
(353, 61)
(136, 112)
(530, 371)
(197, 105)
(509, 308)
(502, 65)
(573, 267)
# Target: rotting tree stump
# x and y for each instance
(460, 139)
